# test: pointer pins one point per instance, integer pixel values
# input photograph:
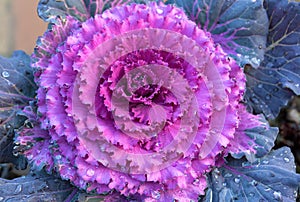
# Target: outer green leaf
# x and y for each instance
(264, 137)
(272, 85)
(17, 89)
(112, 196)
(271, 178)
(35, 187)
(48, 10)
(240, 26)
(16, 81)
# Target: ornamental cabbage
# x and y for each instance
(139, 100)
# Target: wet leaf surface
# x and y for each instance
(37, 186)
(239, 26)
(48, 10)
(17, 89)
(270, 178)
(277, 79)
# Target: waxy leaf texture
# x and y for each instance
(277, 79)
(239, 26)
(17, 89)
(270, 178)
(36, 186)
(82, 10)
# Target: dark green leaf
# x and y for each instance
(35, 187)
(264, 137)
(272, 85)
(240, 26)
(17, 89)
(271, 178)
(48, 10)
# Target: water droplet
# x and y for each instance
(224, 184)
(228, 175)
(277, 195)
(260, 46)
(196, 182)
(259, 85)
(254, 182)
(268, 97)
(15, 153)
(159, 11)
(18, 189)
(251, 194)
(255, 62)
(158, 144)
(58, 157)
(246, 164)
(104, 163)
(237, 180)
(1, 198)
(90, 172)
(286, 159)
(267, 189)
(102, 148)
(297, 85)
(5, 74)
(155, 194)
(255, 99)
(178, 16)
(66, 86)
(217, 171)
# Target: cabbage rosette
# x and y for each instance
(138, 100)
